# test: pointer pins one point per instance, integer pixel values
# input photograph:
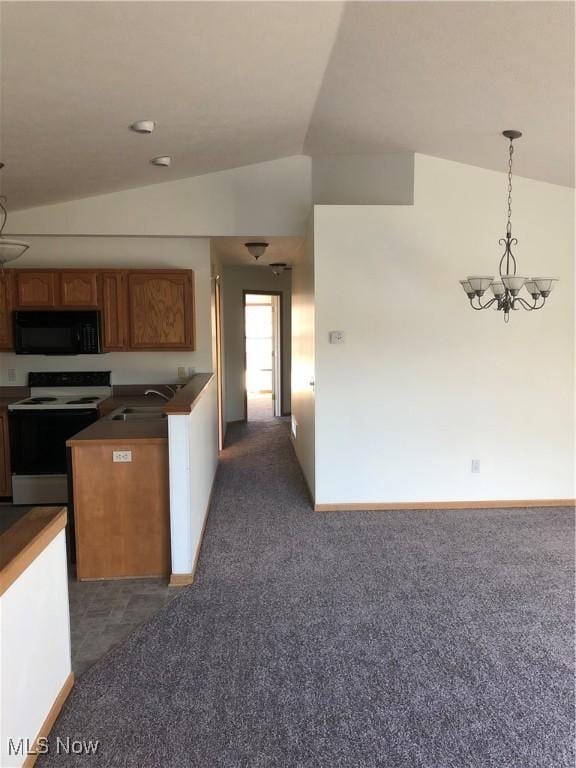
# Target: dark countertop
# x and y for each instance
(131, 401)
(122, 432)
(10, 514)
(25, 538)
(186, 398)
(10, 395)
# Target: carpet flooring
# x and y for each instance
(429, 639)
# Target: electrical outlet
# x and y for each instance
(475, 467)
(11, 375)
(182, 372)
(191, 371)
(122, 456)
(336, 337)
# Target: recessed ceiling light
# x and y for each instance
(143, 126)
(165, 160)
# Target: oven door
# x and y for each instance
(38, 438)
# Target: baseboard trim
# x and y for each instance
(180, 579)
(185, 579)
(236, 421)
(415, 505)
(48, 723)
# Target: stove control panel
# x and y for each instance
(69, 379)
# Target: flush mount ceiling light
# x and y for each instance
(9, 249)
(507, 288)
(143, 126)
(279, 267)
(164, 161)
(256, 249)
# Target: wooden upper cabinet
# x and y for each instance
(161, 309)
(6, 280)
(113, 295)
(78, 289)
(36, 289)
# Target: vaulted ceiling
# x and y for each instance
(234, 83)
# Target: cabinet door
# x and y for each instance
(5, 475)
(78, 289)
(161, 308)
(114, 310)
(6, 340)
(35, 289)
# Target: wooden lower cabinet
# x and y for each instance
(121, 510)
(5, 474)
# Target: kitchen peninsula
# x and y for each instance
(121, 485)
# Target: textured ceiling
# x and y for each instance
(237, 83)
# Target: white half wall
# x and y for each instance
(35, 648)
(422, 384)
(193, 456)
(118, 252)
(272, 198)
(303, 368)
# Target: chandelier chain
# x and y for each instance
(509, 224)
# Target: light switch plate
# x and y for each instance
(336, 337)
(121, 456)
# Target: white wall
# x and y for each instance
(35, 647)
(118, 252)
(423, 384)
(272, 198)
(235, 280)
(384, 179)
(193, 454)
(303, 368)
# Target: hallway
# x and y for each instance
(342, 640)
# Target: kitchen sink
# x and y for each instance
(142, 413)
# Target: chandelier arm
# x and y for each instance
(507, 242)
(529, 307)
(480, 305)
(4, 214)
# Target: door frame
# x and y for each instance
(219, 371)
(246, 292)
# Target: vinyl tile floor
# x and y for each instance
(104, 613)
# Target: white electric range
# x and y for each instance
(59, 406)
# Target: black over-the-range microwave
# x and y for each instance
(57, 333)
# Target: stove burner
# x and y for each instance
(82, 400)
(39, 400)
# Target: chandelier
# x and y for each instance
(506, 290)
(9, 249)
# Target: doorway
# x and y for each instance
(262, 355)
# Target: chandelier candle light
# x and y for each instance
(506, 290)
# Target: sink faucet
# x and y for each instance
(155, 392)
